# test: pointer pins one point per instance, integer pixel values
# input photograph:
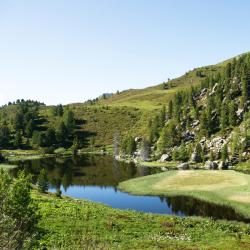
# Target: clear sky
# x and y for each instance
(65, 51)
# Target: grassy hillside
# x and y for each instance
(154, 97)
(78, 224)
(130, 110)
(124, 112)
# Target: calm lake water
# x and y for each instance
(96, 178)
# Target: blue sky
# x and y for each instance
(68, 51)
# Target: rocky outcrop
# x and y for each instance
(165, 157)
(211, 165)
(216, 144)
(195, 123)
(194, 157)
(213, 89)
(188, 136)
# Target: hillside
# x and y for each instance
(154, 97)
(126, 113)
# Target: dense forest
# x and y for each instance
(22, 127)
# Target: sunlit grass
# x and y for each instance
(221, 187)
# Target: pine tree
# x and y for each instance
(29, 128)
(232, 113)
(203, 124)
(170, 109)
(223, 117)
(245, 82)
(199, 153)
(18, 139)
(61, 132)
(183, 153)
(224, 153)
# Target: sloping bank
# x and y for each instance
(79, 224)
(228, 188)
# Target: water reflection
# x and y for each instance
(96, 179)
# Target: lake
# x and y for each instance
(96, 178)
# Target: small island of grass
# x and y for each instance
(228, 188)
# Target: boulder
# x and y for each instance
(222, 165)
(214, 89)
(164, 169)
(138, 139)
(202, 141)
(211, 165)
(183, 166)
(194, 157)
(216, 144)
(165, 157)
(240, 113)
(195, 123)
(188, 136)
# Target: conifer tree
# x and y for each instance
(18, 139)
(224, 153)
(232, 113)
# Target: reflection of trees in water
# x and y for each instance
(85, 170)
(190, 207)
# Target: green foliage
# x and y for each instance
(224, 153)
(29, 128)
(18, 213)
(42, 181)
(199, 153)
(57, 110)
(78, 224)
(69, 120)
(170, 136)
(128, 146)
(18, 139)
(4, 136)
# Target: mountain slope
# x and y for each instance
(127, 112)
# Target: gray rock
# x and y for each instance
(216, 144)
(214, 89)
(164, 157)
(203, 140)
(188, 136)
(203, 92)
(222, 165)
(195, 124)
(183, 166)
(211, 165)
(164, 169)
(194, 157)
(137, 139)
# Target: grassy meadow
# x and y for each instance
(221, 187)
(152, 98)
(78, 224)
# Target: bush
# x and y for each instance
(18, 216)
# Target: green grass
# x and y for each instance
(156, 164)
(7, 166)
(221, 187)
(170, 165)
(243, 166)
(154, 97)
(78, 224)
(15, 158)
